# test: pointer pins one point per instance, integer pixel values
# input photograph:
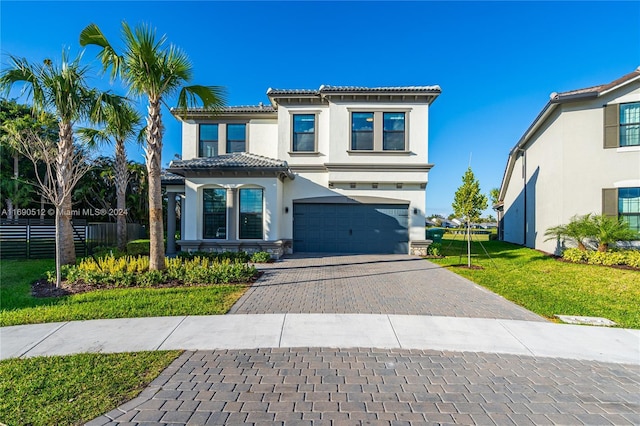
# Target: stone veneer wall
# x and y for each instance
(275, 248)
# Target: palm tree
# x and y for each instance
(579, 229)
(609, 230)
(151, 68)
(121, 123)
(63, 91)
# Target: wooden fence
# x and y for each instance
(35, 238)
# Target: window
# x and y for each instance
(630, 124)
(208, 143)
(362, 131)
(304, 133)
(629, 207)
(393, 131)
(622, 125)
(251, 213)
(236, 138)
(214, 213)
(378, 131)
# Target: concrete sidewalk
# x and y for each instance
(500, 336)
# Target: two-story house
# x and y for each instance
(337, 169)
(580, 155)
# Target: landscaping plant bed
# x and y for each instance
(43, 288)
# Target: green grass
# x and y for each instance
(17, 306)
(547, 286)
(71, 390)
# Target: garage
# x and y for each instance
(350, 225)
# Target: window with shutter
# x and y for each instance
(611, 126)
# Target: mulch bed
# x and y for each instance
(43, 288)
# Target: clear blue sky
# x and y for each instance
(497, 62)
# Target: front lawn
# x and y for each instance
(546, 285)
(18, 306)
(71, 390)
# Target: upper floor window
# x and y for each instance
(630, 124)
(378, 131)
(362, 131)
(208, 142)
(393, 131)
(236, 138)
(251, 214)
(622, 125)
(304, 133)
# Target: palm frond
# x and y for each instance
(92, 35)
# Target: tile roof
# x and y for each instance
(354, 89)
(392, 89)
(271, 91)
(231, 109)
(596, 90)
(238, 160)
(168, 178)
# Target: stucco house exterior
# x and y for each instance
(334, 169)
(580, 155)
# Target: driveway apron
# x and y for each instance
(371, 284)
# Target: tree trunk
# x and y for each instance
(603, 247)
(58, 252)
(154, 162)
(468, 244)
(42, 198)
(66, 251)
(16, 175)
(121, 180)
(9, 208)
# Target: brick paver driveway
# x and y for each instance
(371, 284)
(383, 387)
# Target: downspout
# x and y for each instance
(524, 192)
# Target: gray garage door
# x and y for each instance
(350, 228)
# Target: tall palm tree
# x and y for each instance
(152, 69)
(62, 90)
(120, 124)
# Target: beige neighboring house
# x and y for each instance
(335, 169)
(580, 155)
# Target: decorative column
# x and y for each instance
(171, 223)
(232, 214)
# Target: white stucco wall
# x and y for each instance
(567, 168)
(193, 226)
(271, 137)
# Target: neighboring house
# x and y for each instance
(338, 169)
(581, 155)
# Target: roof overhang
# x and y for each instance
(555, 100)
(340, 199)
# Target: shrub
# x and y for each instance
(261, 257)
(574, 255)
(608, 258)
(239, 256)
(138, 247)
(129, 271)
(434, 249)
(632, 258)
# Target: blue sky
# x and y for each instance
(497, 62)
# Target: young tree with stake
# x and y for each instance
(468, 204)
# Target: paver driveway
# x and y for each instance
(371, 284)
(307, 386)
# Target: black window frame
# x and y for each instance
(234, 141)
(295, 133)
(216, 227)
(213, 142)
(355, 132)
(386, 132)
(250, 223)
